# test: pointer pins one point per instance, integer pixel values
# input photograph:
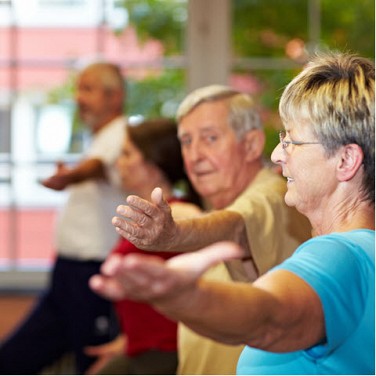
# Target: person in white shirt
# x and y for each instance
(69, 316)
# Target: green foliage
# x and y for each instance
(159, 19)
(262, 27)
(62, 93)
(156, 96)
(273, 82)
(272, 140)
(349, 25)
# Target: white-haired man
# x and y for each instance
(68, 315)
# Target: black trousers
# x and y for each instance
(67, 317)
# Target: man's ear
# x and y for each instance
(351, 158)
(254, 144)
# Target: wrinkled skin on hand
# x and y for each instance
(148, 225)
(155, 280)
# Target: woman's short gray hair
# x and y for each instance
(243, 113)
(335, 95)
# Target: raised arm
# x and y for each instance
(279, 312)
(64, 176)
(150, 225)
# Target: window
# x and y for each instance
(271, 40)
(42, 45)
(43, 42)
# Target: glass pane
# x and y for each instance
(161, 20)
(6, 39)
(6, 233)
(272, 39)
(349, 25)
(263, 27)
(56, 46)
(275, 28)
(155, 94)
(28, 232)
(35, 227)
(42, 46)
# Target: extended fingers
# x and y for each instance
(145, 277)
(120, 278)
(158, 199)
(133, 214)
(152, 208)
(109, 288)
(138, 235)
(137, 204)
(198, 262)
(221, 251)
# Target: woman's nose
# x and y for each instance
(278, 155)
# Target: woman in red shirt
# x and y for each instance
(150, 158)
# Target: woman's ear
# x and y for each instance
(351, 158)
(254, 144)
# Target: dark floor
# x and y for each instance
(13, 307)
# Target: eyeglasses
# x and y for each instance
(285, 144)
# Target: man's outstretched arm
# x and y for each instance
(64, 176)
(150, 225)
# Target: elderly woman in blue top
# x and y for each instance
(314, 313)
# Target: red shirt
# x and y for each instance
(144, 327)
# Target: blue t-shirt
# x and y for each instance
(340, 267)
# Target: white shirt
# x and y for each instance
(84, 229)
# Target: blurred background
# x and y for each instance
(165, 48)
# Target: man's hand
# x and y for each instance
(148, 225)
(87, 169)
(60, 180)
